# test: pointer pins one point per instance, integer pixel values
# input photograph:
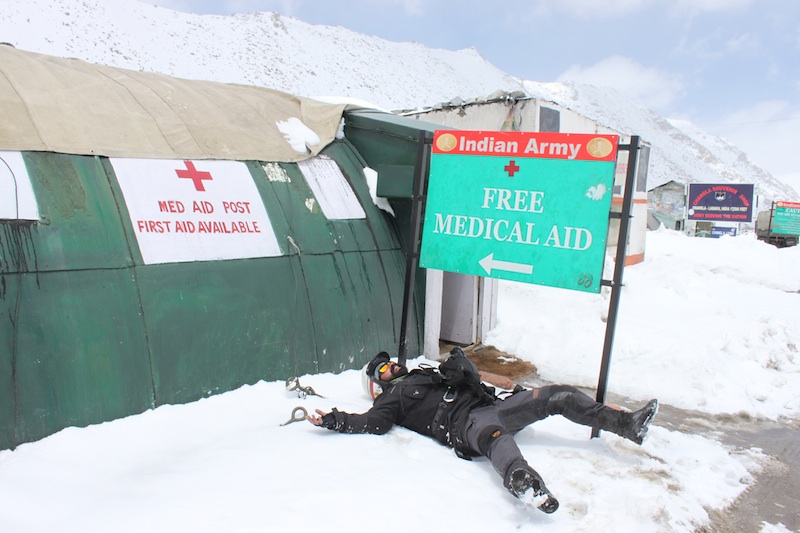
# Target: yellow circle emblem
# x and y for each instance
(599, 147)
(446, 142)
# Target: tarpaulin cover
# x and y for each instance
(70, 106)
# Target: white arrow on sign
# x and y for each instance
(489, 263)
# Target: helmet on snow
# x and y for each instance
(372, 387)
(372, 383)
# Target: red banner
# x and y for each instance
(572, 146)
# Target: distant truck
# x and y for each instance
(771, 229)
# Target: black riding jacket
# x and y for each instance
(413, 401)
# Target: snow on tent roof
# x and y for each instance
(70, 106)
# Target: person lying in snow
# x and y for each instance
(456, 408)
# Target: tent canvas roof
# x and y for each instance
(71, 106)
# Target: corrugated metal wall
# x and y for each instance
(89, 333)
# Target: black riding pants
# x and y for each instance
(489, 430)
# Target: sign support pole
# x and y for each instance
(619, 266)
(769, 226)
(425, 140)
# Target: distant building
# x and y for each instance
(667, 204)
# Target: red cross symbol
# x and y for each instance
(195, 175)
(511, 168)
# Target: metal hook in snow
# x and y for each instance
(294, 384)
(295, 417)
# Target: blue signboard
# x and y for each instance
(716, 232)
(721, 202)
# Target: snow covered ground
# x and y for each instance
(710, 325)
(704, 324)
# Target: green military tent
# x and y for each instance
(163, 240)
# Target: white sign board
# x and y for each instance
(195, 210)
(331, 189)
(17, 201)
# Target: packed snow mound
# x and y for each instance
(704, 324)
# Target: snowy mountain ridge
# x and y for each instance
(286, 54)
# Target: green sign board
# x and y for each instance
(787, 218)
(522, 206)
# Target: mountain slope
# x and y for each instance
(262, 49)
(284, 53)
(680, 150)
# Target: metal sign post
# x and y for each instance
(619, 266)
(424, 142)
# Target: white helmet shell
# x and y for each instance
(372, 388)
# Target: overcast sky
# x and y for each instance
(730, 66)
